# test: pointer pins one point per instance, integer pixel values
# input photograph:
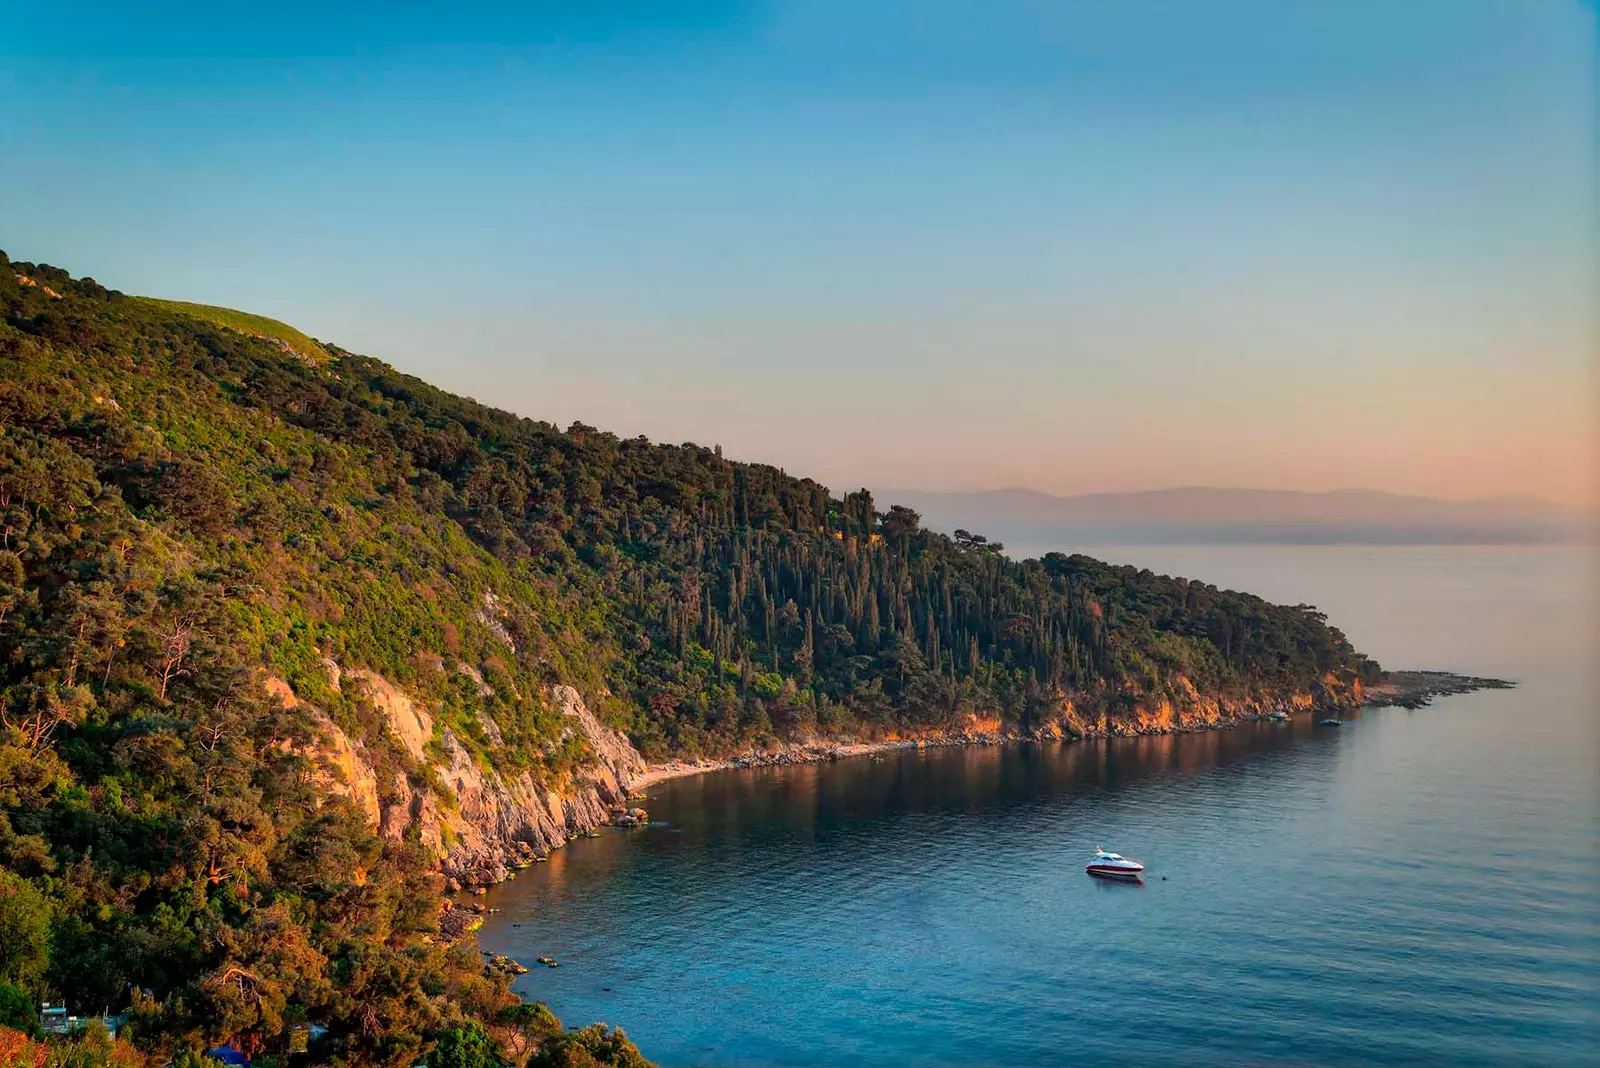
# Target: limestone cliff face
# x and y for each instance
(410, 723)
(496, 820)
(1190, 710)
(477, 821)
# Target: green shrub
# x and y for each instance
(17, 1011)
(465, 1046)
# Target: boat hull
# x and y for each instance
(1107, 872)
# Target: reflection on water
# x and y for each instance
(1415, 887)
(1106, 884)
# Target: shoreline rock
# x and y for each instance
(1417, 689)
(1406, 689)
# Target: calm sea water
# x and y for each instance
(1419, 887)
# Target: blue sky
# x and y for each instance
(1078, 246)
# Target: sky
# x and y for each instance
(1077, 246)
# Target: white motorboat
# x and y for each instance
(1114, 866)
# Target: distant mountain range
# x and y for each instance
(1031, 520)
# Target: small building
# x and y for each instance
(55, 1020)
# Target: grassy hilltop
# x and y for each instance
(245, 323)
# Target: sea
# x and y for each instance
(1413, 887)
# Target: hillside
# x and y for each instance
(1200, 515)
(245, 323)
(281, 636)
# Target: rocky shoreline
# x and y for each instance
(612, 803)
(1404, 689)
(1416, 689)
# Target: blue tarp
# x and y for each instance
(227, 1055)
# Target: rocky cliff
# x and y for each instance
(1190, 710)
(478, 822)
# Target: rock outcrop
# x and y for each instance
(498, 822)
(1189, 710)
(407, 720)
(478, 822)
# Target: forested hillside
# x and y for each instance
(185, 509)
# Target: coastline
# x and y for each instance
(1402, 689)
(818, 752)
(1406, 689)
(1417, 689)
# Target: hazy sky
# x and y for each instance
(1077, 246)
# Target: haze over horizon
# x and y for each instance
(1215, 488)
(1070, 247)
(1028, 521)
